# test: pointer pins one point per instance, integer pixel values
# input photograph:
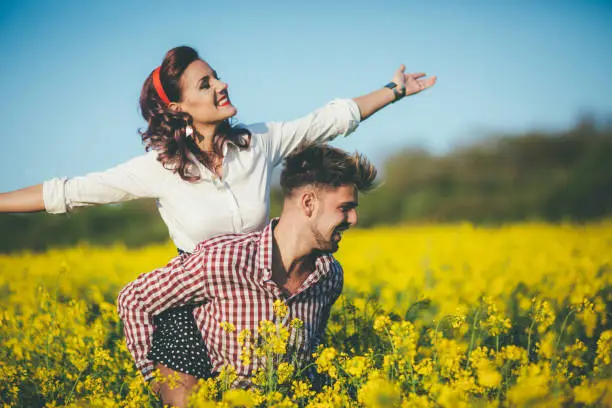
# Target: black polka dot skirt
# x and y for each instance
(178, 344)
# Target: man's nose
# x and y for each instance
(352, 217)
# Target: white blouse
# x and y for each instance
(195, 211)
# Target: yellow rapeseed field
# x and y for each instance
(431, 316)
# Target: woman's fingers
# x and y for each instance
(416, 75)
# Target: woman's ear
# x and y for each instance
(175, 106)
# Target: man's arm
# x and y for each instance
(178, 283)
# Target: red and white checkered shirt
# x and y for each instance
(231, 275)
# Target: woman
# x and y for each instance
(207, 176)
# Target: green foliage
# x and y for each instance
(535, 176)
(134, 223)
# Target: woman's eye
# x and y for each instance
(205, 84)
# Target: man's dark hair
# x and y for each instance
(325, 166)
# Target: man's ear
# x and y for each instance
(308, 202)
(175, 106)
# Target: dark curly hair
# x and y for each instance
(324, 166)
(165, 130)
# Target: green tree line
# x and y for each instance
(552, 177)
(545, 176)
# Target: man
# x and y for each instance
(237, 277)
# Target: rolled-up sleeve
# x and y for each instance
(54, 196)
(130, 180)
(338, 117)
(180, 282)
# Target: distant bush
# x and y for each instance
(135, 223)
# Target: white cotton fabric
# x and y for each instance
(195, 211)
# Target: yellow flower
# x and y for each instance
(417, 401)
(62, 341)
(280, 308)
(488, 376)
(326, 362)
(546, 347)
(543, 314)
(356, 366)
(206, 390)
(424, 367)
(495, 323)
(532, 384)
(228, 327)
(575, 352)
(296, 323)
(594, 392)
(284, 372)
(244, 336)
(514, 353)
(381, 323)
(379, 393)
(239, 398)
(458, 319)
(301, 390)
(604, 351)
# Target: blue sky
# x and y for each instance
(71, 71)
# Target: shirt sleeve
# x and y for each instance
(177, 284)
(278, 139)
(133, 179)
(337, 283)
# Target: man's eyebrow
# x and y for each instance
(350, 204)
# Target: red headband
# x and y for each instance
(158, 86)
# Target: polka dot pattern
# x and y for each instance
(178, 344)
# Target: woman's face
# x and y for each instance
(204, 96)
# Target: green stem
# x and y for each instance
(472, 337)
(69, 397)
(270, 370)
(394, 352)
(435, 357)
(497, 344)
(501, 386)
(563, 326)
(563, 329)
(529, 338)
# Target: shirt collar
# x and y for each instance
(266, 245)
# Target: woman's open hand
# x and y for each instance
(412, 83)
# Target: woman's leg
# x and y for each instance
(179, 353)
(175, 388)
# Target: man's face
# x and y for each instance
(336, 211)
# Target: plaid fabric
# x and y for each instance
(229, 277)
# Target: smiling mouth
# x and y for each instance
(223, 101)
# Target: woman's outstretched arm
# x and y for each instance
(29, 199)
(411, 83)
(133, 179)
